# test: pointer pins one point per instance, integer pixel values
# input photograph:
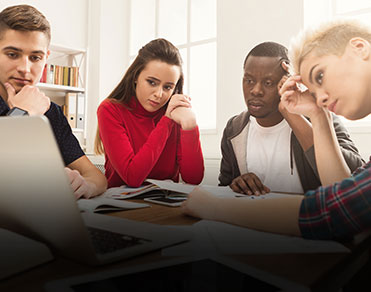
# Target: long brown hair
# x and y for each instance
(158, 49)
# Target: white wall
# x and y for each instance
(68, 19)
(100, 27)
(103, 28)
(108, 54)
(242, 25)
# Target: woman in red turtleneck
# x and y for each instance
(147, 126)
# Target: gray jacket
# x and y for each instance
(234, 145)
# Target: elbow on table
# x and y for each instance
(134, 182)
(194, 179)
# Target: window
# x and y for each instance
(319, 10)
(191, 26)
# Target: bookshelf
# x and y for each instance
(54, 87)
(71, 61)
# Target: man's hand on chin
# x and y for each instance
(29, 98)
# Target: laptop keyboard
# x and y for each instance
(107, 241)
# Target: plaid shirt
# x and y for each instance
(340, 210)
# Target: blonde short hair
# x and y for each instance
(329, 38)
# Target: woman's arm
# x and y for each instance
(330, 161)
(132, 167)
(189, 152)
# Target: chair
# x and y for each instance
(100, 167)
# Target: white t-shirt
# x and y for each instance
(268, 156)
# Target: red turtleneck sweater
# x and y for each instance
(139, 144)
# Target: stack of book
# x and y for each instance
(60, 75)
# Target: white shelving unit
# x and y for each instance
(54, 87)
(65, 56)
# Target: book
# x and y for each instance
(102, 204)
(65, 76)
(155, 188)
(125, 192)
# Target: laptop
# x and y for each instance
(36, 201)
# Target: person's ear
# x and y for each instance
(360, 47)
(286, 67)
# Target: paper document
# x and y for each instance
(219, 191)
(101, 204)
(162, 187)
(125, 192)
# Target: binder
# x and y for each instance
(80, 111)
(50, 74)
(71, 104)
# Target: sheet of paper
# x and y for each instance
(227, 239)
(187, 188)
(100, 204)
(219, 191)
(125, 192)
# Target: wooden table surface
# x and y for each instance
(319, 272)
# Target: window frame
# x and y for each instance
(188, 45)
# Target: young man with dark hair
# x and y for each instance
(24, 48)
(265, 148)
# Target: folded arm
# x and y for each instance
(133, 168)
(189, 157)
(330, 162)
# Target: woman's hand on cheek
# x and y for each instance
(177, 100)
(185, 117)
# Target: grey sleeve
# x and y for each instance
(310, 156)
(347, 146)
(226, 166)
